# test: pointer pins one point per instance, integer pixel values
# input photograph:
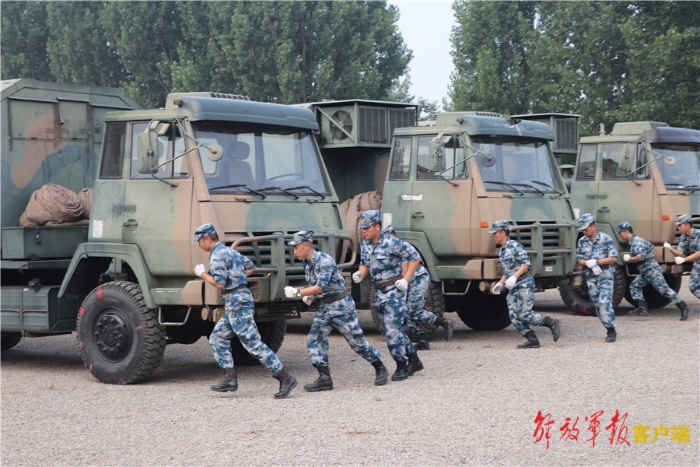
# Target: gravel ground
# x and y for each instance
(474, 404)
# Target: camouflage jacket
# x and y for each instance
(689, 244)
(601, 247)
(323, 272)
(512, 256)
(643, 249)
(228, 267)
(421, 269)
(384, 258)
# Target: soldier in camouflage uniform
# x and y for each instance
(335, 308)
(689, 245)
(521, 287)
(642, 253)
(228, 270)
(381, 260)
(416, 314)
(596, 253)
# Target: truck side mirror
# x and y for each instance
(436, 153)
(215, 152)
(148, 146)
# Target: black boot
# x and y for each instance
(641, 308)
(612, 335)
(382, 374)
(414, 364)
(324, 381)
(421, 344)
(287, 383)
(685, 311)
(447, 324)
(229, 382)
(554, 325)
(532, 341)
(401, 372)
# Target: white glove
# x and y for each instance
(679, 259)
(401, 284)
(291, 292)
(626, 258)
(510, 282)
(497, 288)
(357, 277)
(309, 299)
(591, 262)
(596, 270)
(199, 270)
(667, 245)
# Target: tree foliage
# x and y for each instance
(607, 61)
(287, 52)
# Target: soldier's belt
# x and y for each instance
(334, 298)
(228, 291)
(382, 285)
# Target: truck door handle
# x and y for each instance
(604, 209)
(131, 223)
(418, 215)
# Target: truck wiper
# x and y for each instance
(529, 186)
(307, 187)
(547, 185)
(239, 185)
(272, 188)
(504, 184)
(690, 188)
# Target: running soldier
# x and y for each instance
(521, 288)
(596, 253)
(689, 245)
(228, 272)
(642, 253)
(416, 314)
(335, 309)
(381, 260)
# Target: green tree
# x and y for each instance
(23, 38)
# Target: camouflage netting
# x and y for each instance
(53, 205)
(352, 210)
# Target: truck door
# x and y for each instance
(157, 210)
(584, 190)
(441, 201)
(396, 198)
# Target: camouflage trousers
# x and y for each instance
(521, 299)
(342, 316)
(600, 289)
(238, 320)
(695, 279)
(390, 304)
(650, 273)
(415, 301)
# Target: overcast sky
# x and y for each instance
(426, 28)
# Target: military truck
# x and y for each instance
(444, 182)
(646, 173)
(125, 282)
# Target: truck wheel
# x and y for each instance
(9, 340)
(272, 334)
(484, 312)
(579, 301)
(119, 338)
(655, 299)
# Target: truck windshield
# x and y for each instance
(257, 157)
(680, 166)
(515, 164)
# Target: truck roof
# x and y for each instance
(45, 91)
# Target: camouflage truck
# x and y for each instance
(125, 283)
(646, 173)
(444, 182)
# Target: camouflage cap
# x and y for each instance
(301, 237)
(499, 226)
(623, 226)
(684, 219)
(369, 218)
(204, 230)
(584, 221)
(389, 229)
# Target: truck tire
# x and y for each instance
(119, 338)
(9, 340)
(434, 303)
(484, 312)
(272, 334)
(655, 299)
(577, 298)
